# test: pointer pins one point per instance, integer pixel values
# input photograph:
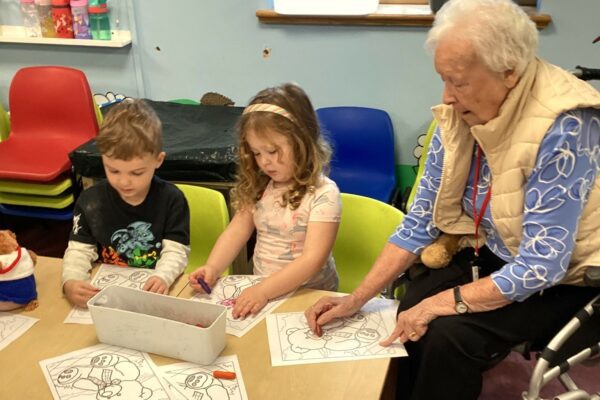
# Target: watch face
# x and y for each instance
(461, 307)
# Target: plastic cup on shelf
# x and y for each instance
(81, 20)
(31, 21)
(44, 10)
(63, 19)
(99, 23)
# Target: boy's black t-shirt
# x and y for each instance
(131, 235)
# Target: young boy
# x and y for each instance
(132, 218)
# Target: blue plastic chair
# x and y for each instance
(363, 160)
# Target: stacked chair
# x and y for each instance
(363, 160)
(51, 114)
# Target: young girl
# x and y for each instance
(282, 193)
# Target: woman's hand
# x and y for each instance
(251, 301)
(411, 324)
(207, 274)
(79, 292)
(155, 284)
(329, 308)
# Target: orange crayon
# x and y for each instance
(224, 375)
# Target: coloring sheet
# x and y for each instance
(226, 290)
(104, 372)
(12, 326)
(192, 381)
(109, 275)
(352, 338)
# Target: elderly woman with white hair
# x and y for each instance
(514, 163)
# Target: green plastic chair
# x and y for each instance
(422, 161)
(208, 219)
(98, 112)
(365, 228)
(4, 124)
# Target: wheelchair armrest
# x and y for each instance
(592, 276)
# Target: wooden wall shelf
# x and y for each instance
(377, 19)
(16, 34)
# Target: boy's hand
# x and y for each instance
(207, 274)
(79, 292)
(156, 285)
(251, 301)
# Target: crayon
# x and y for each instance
(204, 285)
(319, 331)
(224, 375)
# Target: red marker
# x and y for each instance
(224, 375)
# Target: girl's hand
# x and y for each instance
(79, 292)
(155, 284)
(251, 301)
(207, 274)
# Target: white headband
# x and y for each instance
(272, 108)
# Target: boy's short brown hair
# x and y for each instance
(130, 129)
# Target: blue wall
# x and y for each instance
(217, 45)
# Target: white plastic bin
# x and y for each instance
(159, 324)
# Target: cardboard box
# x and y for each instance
(159, 324)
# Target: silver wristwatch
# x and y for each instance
(459, 305)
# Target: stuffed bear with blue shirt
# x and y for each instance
(17, 283)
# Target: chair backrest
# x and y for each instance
(365, 228)
(4, 124)
(421, 167)
(208, 219)
(55, 103)
(363, 160)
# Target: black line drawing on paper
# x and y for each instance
(292, 342)
(196, 382)
(103, 372)
(109, 275)
(226, 290)
(12, 326)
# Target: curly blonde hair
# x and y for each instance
(311, 151)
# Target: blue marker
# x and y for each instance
(204, 285)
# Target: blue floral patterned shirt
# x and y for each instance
(566, 167)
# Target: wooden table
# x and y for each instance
(344, 380)
(21, 376)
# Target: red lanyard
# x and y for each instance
(478, 216)
(15, 262)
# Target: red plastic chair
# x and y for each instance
(52, 113)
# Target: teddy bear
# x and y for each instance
(17, 283)
(439, 253)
